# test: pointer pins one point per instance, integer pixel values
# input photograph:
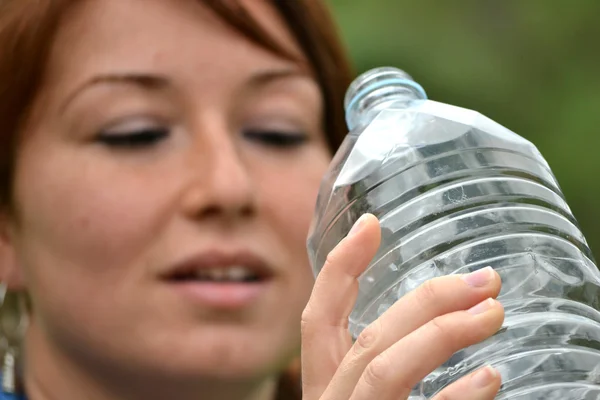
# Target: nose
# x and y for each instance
(222, 184)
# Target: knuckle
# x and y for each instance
(306, 321)
(367, 339)
(472, 333)
(331, 259)
(378, 371)
(455, 332)
(442, 329)
(427, 293)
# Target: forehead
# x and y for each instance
(182, 37)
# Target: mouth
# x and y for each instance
(221, 280)
(231, 274)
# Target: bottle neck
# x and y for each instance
(377, 89)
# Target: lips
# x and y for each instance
(221, 267)
(221, 280)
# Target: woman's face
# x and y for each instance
(164, 188)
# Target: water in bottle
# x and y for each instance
(454, 192)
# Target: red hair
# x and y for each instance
(26, 34)
(28, 27)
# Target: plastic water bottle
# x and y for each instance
(455, 192)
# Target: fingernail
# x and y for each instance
(357, 225)
(484, 377)
(482, 307)
(479, 278)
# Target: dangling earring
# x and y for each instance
(13, 322)
(9, 379)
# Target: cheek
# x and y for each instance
(289, 195)
(82, 223)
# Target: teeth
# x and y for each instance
(234, 274)
(237, 273)
(218, 274)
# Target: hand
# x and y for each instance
(410, 340)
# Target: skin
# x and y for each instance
(96, 224)
(412, 338)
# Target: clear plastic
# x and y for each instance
(455, 192)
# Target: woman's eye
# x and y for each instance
(277, 139)
(133, 139)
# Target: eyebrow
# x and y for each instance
(158, 82)
(266, 77)
(147, 81)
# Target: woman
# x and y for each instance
(161, 161)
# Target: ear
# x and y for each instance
(10, 271)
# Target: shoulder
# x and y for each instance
(10, 396)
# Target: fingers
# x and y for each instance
(415, 336)
(482, 384)
(434, 298)
(325, 338)
(393, 373)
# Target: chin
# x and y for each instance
(228, 354)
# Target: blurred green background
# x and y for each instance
(532, 65)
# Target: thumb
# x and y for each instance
(325, 337)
